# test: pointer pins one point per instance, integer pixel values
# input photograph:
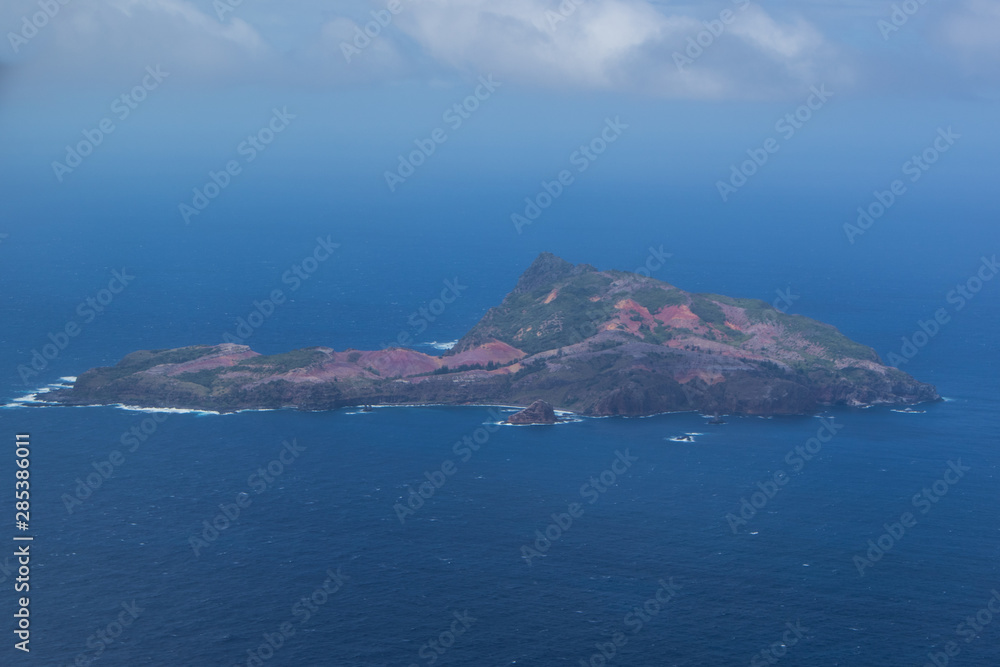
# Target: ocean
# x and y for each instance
(431, 536)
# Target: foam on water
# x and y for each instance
(172, 411)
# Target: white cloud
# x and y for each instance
(974, 32)
(770, 51)
(613, 44)
(790, 42)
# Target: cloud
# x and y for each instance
(791, 42)
(641, 47)
(111, 39)
(973, 32)
(525, 41)
(339, 57)
(615, 45)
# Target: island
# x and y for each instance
(586, 341)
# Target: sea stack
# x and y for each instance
(538, 412)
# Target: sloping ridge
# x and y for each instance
(595, 342)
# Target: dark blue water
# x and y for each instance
(331, 508)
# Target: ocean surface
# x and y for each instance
(651, 559)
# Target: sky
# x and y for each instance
(920, 48)
(758, 120)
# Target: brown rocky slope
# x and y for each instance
(593, 342)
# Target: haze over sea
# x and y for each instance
(694, 555)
